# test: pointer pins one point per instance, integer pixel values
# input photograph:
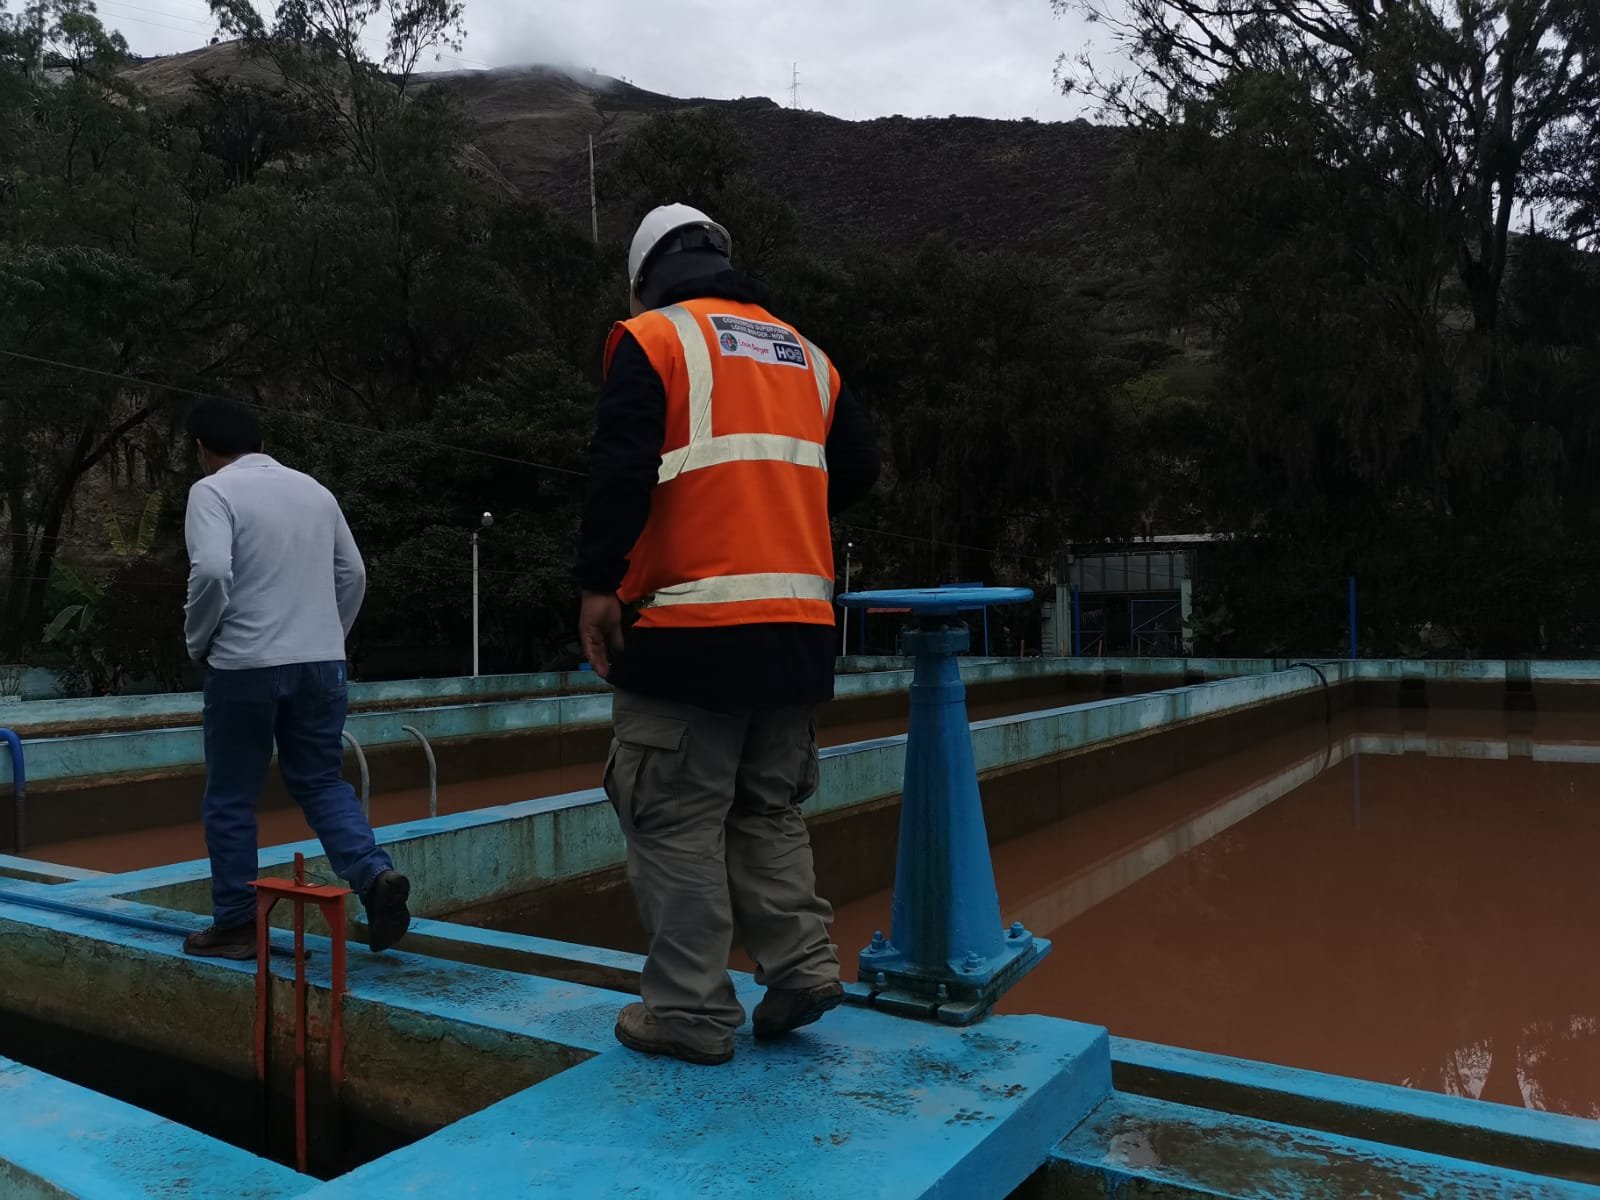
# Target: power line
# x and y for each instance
(263, 408)
(121, 9)
(418, 440)
(121, 18)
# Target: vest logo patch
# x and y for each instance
(741, 338)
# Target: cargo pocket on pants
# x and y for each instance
(810, 771)
(643, 769)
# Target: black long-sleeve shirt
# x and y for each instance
(740, 666)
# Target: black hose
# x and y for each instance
(1327, 692)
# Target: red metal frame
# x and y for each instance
(329, 899)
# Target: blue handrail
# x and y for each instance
(19, 785)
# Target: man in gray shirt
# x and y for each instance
(275, 583)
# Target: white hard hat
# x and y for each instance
(658, 224)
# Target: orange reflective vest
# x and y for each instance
(738, 529)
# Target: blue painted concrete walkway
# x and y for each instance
(59, 1140)
(860, 1106)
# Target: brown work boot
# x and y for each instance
(388, 916)
(239, 942)
(783, 1010)
(638, 1030)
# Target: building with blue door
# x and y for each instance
(1133, 599)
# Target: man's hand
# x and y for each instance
(600, 629)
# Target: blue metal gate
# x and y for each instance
(1157, 627)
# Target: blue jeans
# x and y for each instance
(302, 707)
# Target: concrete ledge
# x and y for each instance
(465, 859)
(1133, 1146)
(183, 708)
(1456, 1127)
(861, 1105)
(175, 743)
(33, 871)
(427, 1040)
(569, 961)
(59, 1140)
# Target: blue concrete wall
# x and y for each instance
(58, 1140)
(95, 756)
(463, 859)
(184, 707)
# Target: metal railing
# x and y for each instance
(433, 769)
(19, 786)
(366, 776)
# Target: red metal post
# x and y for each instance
(300, 1020)
(264, 903)
(333, 914)
(329, 900)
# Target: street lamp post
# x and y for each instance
(844, 632)
(484, 523)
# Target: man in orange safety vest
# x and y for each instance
(724, 440)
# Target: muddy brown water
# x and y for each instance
(1415, 920)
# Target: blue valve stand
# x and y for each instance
(947, 956)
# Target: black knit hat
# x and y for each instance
(225, 428)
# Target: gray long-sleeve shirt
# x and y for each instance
(274, 574)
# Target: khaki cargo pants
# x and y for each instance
(710, 805)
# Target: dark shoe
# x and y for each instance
(238, 943)
(638, 1030)
(388, 918)
(783, 1010)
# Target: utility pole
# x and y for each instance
(483, 523)
(844, 625)
(594, 207)
(794, 87)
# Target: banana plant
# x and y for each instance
(143, 535)
(132, 544)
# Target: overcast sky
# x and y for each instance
(858, 58)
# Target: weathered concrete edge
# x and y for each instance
(465, 688)
(33, 870)
(170, 706)
(454, 865)
(1348, 1103)
(177, 747)
(1111, 1149)
(77, 1142)
(403, 984)
(544, 1142)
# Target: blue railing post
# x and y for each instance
(947, 956)
(19, 786)
(1352, 588)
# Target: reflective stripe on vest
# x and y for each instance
(738, 530)
(704, 450)
(742, 447)
(736, 589)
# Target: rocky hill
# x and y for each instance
(1049, 188)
